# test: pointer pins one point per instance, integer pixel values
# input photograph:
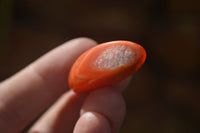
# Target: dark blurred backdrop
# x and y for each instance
(164, 94)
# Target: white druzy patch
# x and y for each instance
(114, 57)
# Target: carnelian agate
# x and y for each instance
(105, 64)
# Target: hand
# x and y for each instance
(39, 96)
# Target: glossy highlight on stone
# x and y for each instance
(105, 65)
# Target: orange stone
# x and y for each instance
(105, 64)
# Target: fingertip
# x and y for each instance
(108, 102)
(122, 85)
(92, 122)
(85, 40)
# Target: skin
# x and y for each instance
(26, 96)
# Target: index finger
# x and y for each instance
(31, 91)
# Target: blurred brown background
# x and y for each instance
(164, 94)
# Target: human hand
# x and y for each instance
(40, 93)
